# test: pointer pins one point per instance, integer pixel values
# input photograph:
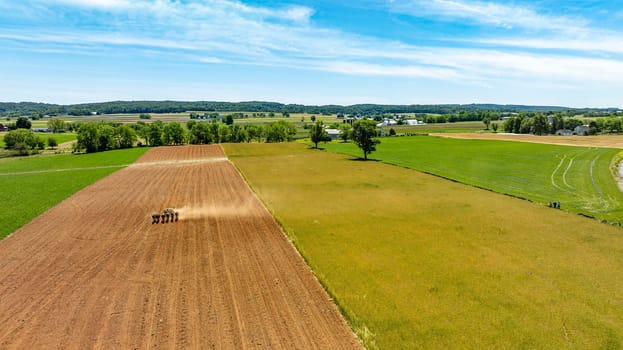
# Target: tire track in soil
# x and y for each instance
(93, 272)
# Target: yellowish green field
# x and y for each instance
(415, 261)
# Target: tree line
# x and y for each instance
(104, 136)
(34, 109)
(540, 124)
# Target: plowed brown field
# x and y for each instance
(93, 272)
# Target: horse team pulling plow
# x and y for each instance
(167, 215)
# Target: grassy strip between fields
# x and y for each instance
(25, 196)
(578, 177)
(416, 261)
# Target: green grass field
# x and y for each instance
(580, 178)
(416, 261)
(60, 138)
(32, 185)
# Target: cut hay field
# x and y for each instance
(416, 261)
(32, 185)
(579, 177)
(443, 128)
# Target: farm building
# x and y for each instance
(3, 128)
(387, 122)
(334, 134)
(349, 121)
(41, 130)
(414, 122)
(581, 130)
(564, 132)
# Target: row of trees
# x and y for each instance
(539, 124)
(97, 137)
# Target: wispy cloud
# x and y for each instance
(487, 12)
(524, 27)
(227, 31)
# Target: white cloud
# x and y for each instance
(488, 12)
(107, 4)
(606, 43)
(222, 31)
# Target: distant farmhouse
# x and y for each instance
(582, 130)
(414, 122)
(387, 122)
(334, 134)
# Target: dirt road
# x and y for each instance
(93, 272)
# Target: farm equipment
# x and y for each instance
(167, 215)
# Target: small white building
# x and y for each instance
(387, 122)
(564, 132)
(414, 122)
(334, 134)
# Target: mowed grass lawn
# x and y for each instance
(31, 185)
(578, 177)
(416, 261)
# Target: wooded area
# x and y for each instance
(40, 109)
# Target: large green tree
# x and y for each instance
(23, 123)
(56, 125)
(200, 133)
(280, 131)
(87, 137)
(317, 133)
(154, 134)
(224, 133)
(126, 136)
(345, 131)
(364, 132)
(106, 138)
(174, 134)
(487, 122)
(540, 125)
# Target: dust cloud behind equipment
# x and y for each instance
(213, 210)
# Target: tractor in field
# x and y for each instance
(166, 216)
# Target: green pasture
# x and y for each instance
(32, 185)
(415, 261)
(578, 177)
(60, 138)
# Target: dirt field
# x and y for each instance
(93, 272)
(607, 141)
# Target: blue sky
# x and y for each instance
(542, 52)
